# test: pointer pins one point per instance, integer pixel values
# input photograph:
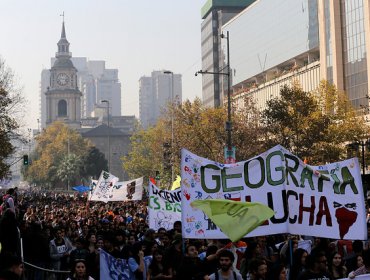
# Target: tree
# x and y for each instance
(69, 169)
(10, 106)
(52, 147)
(199, 129)
(312, 125)
(93, 163)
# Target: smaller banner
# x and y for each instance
(118, 269)
(164, 207)
(104, 187)
(112, 268)
(127, 190)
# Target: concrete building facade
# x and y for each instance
(155, 92)
(215, 13)
(306, 40)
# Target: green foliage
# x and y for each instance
(93, 163)
(312, 125)
(61, 154)
(8, 101)
(196, 128)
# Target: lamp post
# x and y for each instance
(355, 145)
(228, 125)
(172, 130)
(107, 101)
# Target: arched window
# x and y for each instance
(62, 108)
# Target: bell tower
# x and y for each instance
(63, 98)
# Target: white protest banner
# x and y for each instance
(324, 201)
(164, 207)
(360, 277)
(127, 190)
(104, 187)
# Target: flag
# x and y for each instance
(234, 218)
(111, 268)
(176, 184)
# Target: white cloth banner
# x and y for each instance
(324, 201)
(127, 190)
(164, 207)
(104, 188)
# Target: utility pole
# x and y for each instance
(229, 149)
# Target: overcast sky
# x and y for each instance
(135, 37)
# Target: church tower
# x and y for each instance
(63, 99)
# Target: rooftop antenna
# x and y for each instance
(264, 63)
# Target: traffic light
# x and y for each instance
(25, 160)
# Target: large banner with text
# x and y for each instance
(324, 201)
(164, 207)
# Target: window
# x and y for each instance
(62, 108)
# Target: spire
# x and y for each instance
(63, 32)
(63, 44)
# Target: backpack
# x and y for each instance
(218, 277)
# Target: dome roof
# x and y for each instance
(63, 62)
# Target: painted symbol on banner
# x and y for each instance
(199, 232)
(130, 189)
(199, 195)
(345, 217)
(211, 225)
(187, 195)
(163, 220)
(233, 196)
(187, 170)
(187, 158)
(185, 182)
(198, 225)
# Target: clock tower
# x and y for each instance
(63, 99)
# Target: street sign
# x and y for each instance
(229, 154)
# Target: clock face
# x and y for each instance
(62, 79)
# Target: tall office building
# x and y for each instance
(93, 80)
(215, 13)
(155, 92)
(276, 43)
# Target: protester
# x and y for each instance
(158, 269)
(226, 271)
(365, 269)
(60, 249)
(336, 266)
(191, 266)
(298, 263)
(11, 267)
(79, 271)
(317, 267)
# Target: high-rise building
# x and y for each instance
(94, 81)
(155, 92)
(275, 43)
(215, 13)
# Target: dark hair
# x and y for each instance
(255, 263)
(314, 257)
(226, 254)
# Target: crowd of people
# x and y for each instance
(65, 232)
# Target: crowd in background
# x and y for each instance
(65, 232)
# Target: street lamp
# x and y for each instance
(355, 145)
(172, 130)
(228, 125)
(107, 101)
